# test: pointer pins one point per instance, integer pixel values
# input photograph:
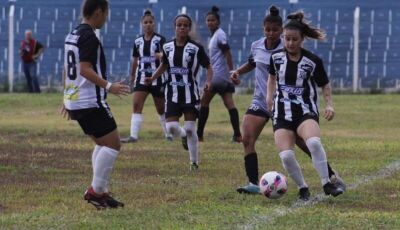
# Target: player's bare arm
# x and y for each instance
(117, 88)
(160, 70)
(329, 112)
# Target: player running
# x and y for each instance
(294, 75)
(257, 115)
(182, 58)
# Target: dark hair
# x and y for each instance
(185, 16)
(90, 6)
(273, 16)
(297, 21)
(214, 11)
(147, 13)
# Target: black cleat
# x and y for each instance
(111, 202)
(331, 189)
(184, 143)
(338, 181)
(97, 200)
(101, 201)
(304, 194)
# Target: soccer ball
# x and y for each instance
(273, 185)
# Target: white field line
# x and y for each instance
(261, 220)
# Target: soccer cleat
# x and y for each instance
(331, 189)
(111, 202)
(338, 181)
(129, 139)
(201, 139)
(237, 139)
(97, 200)
(184, 143)
(249, 189)
(169, 138)
(193, 166)
(304, 194)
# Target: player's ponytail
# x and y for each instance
(273, 16)
(214, 11)
(90, 6)
(146, 13)
(297, 21)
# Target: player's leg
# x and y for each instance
(172, 114)
(190, 115)
(284, 140)
(204, 111)
(227, 98)
(333, 175)
(139, 98)
(100, 125)
(159, 103)
(252, 127)
(309, 130)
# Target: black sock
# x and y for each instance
(234, 115)
(251, 165)
(203, 116)
(331, 172)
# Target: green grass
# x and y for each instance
(45, 166)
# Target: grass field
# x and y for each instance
(45, 166)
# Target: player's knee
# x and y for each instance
(190, 128)
(248, 140)
(173, 127)
(314, 143)
(287, 155)
(137, 107)
(117, 146)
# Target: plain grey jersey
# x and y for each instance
(216, 47)
(259, 57)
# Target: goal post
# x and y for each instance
(356, 35)
(11, 46)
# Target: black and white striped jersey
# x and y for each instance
(183, 64)
(82, 45)
(296, 90)
(148, 63)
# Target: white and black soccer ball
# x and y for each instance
(273, 185)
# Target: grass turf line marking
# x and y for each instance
(257, 221)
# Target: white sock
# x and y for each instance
(192, 140)
(318, 156)
(163, 125)
(136, 123)
(174, 129)
(104, 162)
(292, 167)
(95, 154)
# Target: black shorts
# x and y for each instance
(293, 125)
(254, 110)
(177, 109)
(95, 122)
(155, 90)
(222, 88)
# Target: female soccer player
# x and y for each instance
(258, 114)
(221, 61)
(147, 56)
(294, 74)
(182, 57)
(86, 88)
